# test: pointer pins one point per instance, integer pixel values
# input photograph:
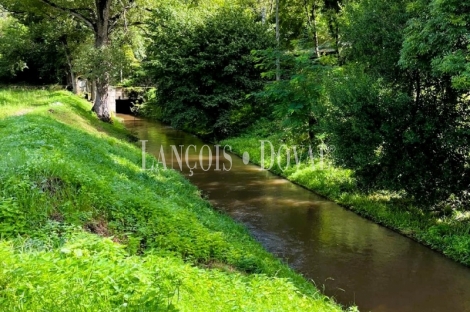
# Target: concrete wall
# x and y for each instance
(112, 99)
(114, 93)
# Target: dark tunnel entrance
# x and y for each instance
(124, 106)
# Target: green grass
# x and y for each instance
(449, 234)
(83, 228)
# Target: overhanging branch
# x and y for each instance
(115, 19)
(73, 12)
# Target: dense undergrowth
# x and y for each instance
(83, 228)
(447, 232)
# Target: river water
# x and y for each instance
(348, 257)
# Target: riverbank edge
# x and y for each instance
(445, 236)
(54, 108)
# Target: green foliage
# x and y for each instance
(401, 123)
(13, 35)
(204, 69)
(26, 54)
(12, 220)
(395, 142)
(373, 32)
(436, 41)
(113, 60)
(434, 54)
(59, 40)
(100, 234)
(298, 99)
(300, 19)
(362, 122)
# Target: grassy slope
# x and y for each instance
(65, 178)
(449, 234)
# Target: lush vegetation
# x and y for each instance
(388, 110)
(84, 228)
(90, 37)
(379, 87)
(208, 68)
(389, 98)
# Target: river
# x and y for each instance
(348, 257)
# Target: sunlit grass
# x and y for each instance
(84, 229)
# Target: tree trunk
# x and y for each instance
(278, 37)
(101, 100)
(72, 74)
(100, 106)
(315, 30)
(74, 82)
(91, 88)
(312, 23)
(312, 121)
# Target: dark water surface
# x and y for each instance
(353, 259)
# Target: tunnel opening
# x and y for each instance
(126, 101)
(125, 106)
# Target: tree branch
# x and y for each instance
(140, 25)
(115, 19)
(74, 12)
(90, 11)
(137, 24)
(12, 12)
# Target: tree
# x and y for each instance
(204, 69)
(34, 49)
(373, 31)
(436, 54)
(400, 118)
(101, 17)
(14, 41)
(298, 99)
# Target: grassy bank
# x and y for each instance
(449, 234)
(83, 228)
